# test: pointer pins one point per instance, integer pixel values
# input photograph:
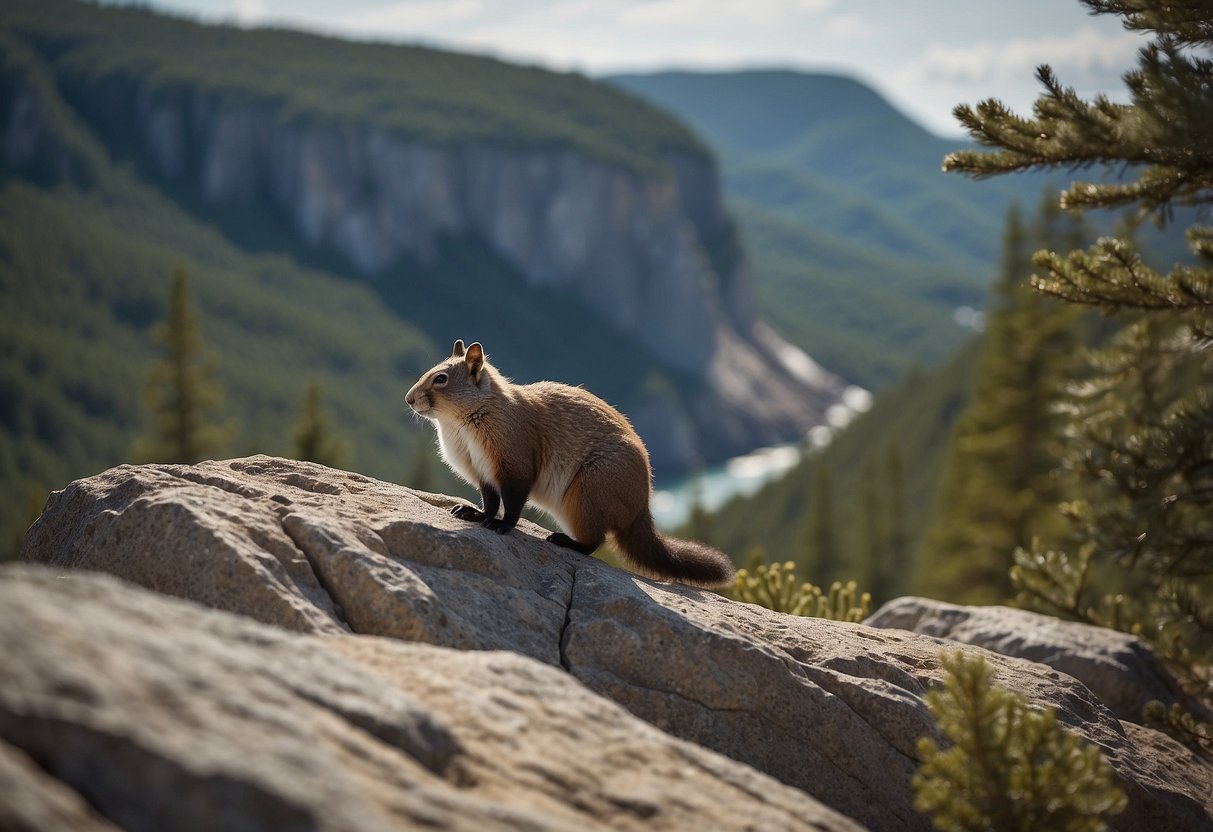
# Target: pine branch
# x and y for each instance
(1164, 135)
(1190, 22)
(1113, 276)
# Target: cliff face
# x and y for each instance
(629, 246)
(634, 248)
(574, 187)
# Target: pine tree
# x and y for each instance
(181, 392)
(313, 439)
(998, 489)
(421, 470)
(35, 499)
(824, 556)
(699, 520)
(896, 556)
(872, 532)
(1141, 430)
(1009, 766)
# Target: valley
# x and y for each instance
(345, 238)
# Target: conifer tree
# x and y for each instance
(699, 521)
(35, 499)
(1141, 430)
(895, 559)
(998, 488)
(872, 531)
(1009, 766)
(181, 392)
(314, 440)
(421, 470)
(822, 544)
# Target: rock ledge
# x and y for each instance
(831, 710)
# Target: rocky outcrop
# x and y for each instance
(1117, 667)
(830, 709)
(158, 714)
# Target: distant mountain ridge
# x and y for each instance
(862, 247)
(760, 110)
(835, 130)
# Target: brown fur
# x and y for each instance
(563, 449)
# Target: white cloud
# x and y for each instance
(607, 36)
(1090, 61)
(1087, 58)
(414, 15)
(250, 12)
(847, 27)
(720, 12)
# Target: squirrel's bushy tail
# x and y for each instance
(669, 557)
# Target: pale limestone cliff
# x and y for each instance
(635, 248)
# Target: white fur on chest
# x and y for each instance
(465, 455)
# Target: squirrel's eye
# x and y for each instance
(440, 378)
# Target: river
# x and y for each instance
(745, 475)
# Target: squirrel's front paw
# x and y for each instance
(469, 513)
(496, 525)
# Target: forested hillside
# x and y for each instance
(414, 91)
(1077, 477)
(932, 489)
(862, 248)
(868, 495)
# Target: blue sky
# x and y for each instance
(925, 57)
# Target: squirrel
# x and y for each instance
(563, 449)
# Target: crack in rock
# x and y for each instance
(317, 569)
(568, 620)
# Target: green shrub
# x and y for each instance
(1010, 767)
(775, 587)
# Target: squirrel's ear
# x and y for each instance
(475, 361)
(457, 350)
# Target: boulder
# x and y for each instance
(832, 709)
(33, 801)
(160, 714)
(1117, 667)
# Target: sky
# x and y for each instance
(925, 57)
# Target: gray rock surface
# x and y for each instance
(1117, 667)
(832, 709)
(33, 801)
(160, 714)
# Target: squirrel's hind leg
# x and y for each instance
(562, 539)
(469, 513)
(580, 514)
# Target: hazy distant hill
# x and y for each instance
(862, 247)
(345, 211)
